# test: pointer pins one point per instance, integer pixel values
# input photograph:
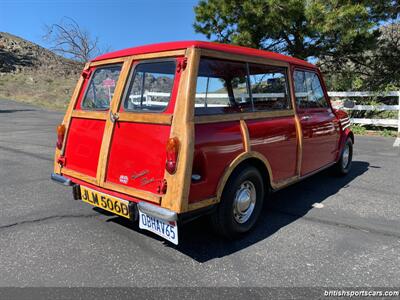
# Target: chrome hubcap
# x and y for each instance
(244, 202)
(345, 156)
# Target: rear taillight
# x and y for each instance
(172, 155)
(60, 135)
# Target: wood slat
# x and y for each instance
(145, 195)
(151, 118)
(202, 203)
(244, 58)
(109, 127)
(85, 114)
(243, 116)
(79, 175)
(182, 127)
(163, 54)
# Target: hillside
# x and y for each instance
(33, 74)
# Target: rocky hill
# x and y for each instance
(31, 73)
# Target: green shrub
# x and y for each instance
(358, 129)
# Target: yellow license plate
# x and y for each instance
(112, 204)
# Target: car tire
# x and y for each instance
(241, 203)
(343, 166)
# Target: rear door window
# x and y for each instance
(101, 88)
(150, 87)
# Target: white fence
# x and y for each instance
(377, 122)
(363, 121)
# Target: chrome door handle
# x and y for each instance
(305, 118)
(113, 117)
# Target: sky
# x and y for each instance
(118, 24)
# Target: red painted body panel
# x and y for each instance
(83, 145)
(216, 145)
(321, 134)
(204, 45)
(136, 149)
(276, 139)
(342, 116)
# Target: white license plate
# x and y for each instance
(166, 229)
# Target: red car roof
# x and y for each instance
(204, 45)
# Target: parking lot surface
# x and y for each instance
(324, 231)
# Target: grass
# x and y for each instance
(38, 89)
(358, 129)
(373, 130)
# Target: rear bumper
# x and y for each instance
(61, 179)
(147, 208)
(157, 212)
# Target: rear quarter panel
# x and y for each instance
(216, 145)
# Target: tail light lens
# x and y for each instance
(60, 135)
(172, 155)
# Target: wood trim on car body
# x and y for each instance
(96, 115)
(148, 196)
(202, 203)
(150, 118)
(79, 175)
(176, 198)
(299, 131)
(245, 135)
(243, 116)
(109, 127)
(243, 58)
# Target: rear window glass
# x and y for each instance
(150, 87)
(221, 87)
(269, 87)
(101, 87)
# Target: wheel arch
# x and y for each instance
(351, 136)
(251, 158)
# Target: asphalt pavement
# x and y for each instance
(324, 231)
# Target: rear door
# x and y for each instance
(89, 121)
(142, 125)
(319, 125)
(120, 126)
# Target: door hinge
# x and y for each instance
(182, 64)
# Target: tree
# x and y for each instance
(304, 29)
(374, 69)
(70, 40)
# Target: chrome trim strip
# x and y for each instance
(156, 211)
(61, 179)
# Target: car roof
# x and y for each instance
(169, 46)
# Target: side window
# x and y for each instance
(221, 87)
(101, 87)
(269, 88)
(150, 87)
(308, 90)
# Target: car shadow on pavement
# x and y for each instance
(197, 240)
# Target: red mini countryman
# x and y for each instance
(164, 133)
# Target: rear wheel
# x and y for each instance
(343, 166)
(241, 203)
